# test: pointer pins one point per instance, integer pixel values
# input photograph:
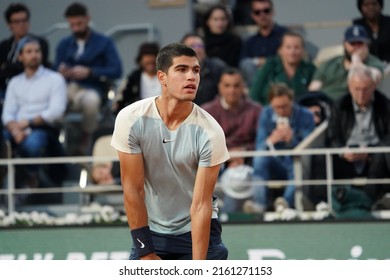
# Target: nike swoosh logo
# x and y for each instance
(167, 140)
(142, 244)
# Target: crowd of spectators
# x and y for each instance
(262, 89)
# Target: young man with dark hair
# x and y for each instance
(17, 16)
(170, 151)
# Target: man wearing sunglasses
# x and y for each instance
(266, 40)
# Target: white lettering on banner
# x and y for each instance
(264, 254)
(76, 256)
(261, 254)
(116, 255)
(99, 256)
(119, 255)
(47, 256)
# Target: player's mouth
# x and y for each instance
(191, 87)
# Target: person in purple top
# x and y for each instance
(238, 116)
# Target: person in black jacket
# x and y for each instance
(377, 26)
(17, 16)
(361, 119)
(220, 40)
(142, 82)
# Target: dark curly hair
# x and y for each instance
(14, 8)
(147, 48)
(360, 3)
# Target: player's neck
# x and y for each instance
(173, 112)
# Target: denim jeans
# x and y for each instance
(179, 247)
(273, 168)
(38, 143)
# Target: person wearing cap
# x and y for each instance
(377, 26)
(331, 76)
(35, 102)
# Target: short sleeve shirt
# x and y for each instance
(171, 159)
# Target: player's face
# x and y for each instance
(182, 79)
(231, 88)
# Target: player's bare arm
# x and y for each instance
(201, 210)
(134, 194)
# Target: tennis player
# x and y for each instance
(170, 151)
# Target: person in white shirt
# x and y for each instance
(35, 101)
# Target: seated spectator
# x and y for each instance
(282, 125)
(35, 101)
(361, 119)
(331, 76)
(210, 70)
(88, 60)
(377, 26)
(288, 67)
(106, 174)
(142, 82)
(17, 16)
(220, 41)
(238, 117)
(264, 43)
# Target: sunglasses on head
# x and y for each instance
(266, 11)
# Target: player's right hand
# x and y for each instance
(151, 256)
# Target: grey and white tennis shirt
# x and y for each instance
(171, 159)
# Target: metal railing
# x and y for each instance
(298, 181)
(113, 31)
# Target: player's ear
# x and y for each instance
(162, 77)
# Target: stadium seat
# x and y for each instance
(328, 53)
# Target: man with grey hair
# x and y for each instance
(360, 118)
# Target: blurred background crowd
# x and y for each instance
(268, 85)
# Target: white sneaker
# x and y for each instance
(251, 207)
(280, 204)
